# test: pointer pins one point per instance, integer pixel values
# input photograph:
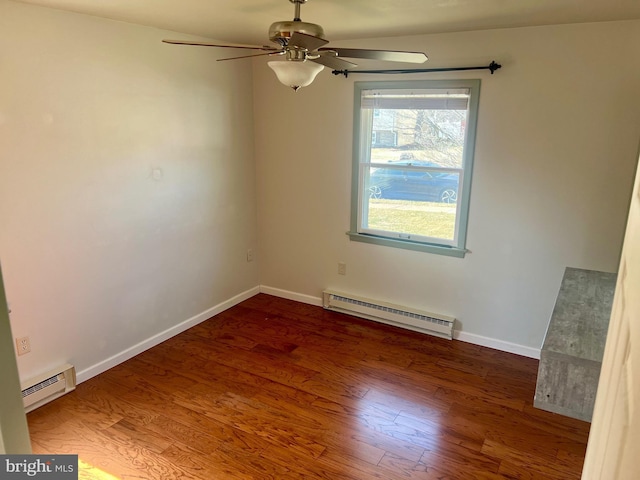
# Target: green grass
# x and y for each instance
(430, 219)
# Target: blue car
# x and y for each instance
(423, 185)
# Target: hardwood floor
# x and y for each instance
(274, 389)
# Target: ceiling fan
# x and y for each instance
(302, 46)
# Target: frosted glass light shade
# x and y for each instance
(295, 74)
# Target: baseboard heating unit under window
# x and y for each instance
(400, 316)
(48, 386)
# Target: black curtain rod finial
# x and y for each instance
(493, 66)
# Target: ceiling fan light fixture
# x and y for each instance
(295, 73)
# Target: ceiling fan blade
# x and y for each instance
(334, 62)
(308, 42)
(251, 56)
(386, 55)
(221, 45)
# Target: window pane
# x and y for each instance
(414, 203)
(429, 135)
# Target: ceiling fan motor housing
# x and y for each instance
(281, 32)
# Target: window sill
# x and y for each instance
(408, 245)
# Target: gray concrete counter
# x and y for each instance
(573, 348)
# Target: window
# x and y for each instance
(411, 184)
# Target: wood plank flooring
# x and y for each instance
(274, 389)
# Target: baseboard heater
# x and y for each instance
(400, 316)
(48, 386)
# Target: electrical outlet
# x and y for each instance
(342, 268)
(250, 255)
(23, 344)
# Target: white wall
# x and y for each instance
(555, 156)
(127, 184)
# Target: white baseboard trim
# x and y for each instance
(131, 352)
(457, 334)
(298, 297)
(501, 345)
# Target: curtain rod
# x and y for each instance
(493, 66)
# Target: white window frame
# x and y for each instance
(361, 162)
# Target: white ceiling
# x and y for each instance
(247, 21)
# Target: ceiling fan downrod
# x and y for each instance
(280, 32)
(297, 3)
